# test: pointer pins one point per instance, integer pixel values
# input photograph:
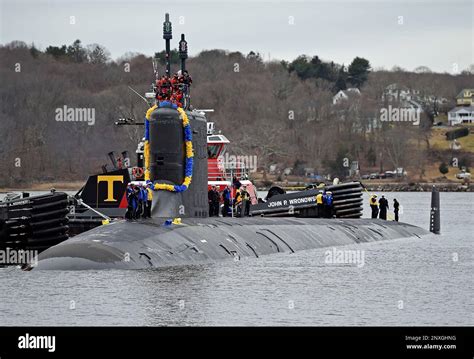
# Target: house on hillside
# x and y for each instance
(395, 92)
(465, 98)
(343, 95)
(405, 95)
(461, 114)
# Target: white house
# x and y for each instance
(395, 92)
(345, 94)
(461, 114)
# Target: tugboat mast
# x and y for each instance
(183, 52)
(167, 35)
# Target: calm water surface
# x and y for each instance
(425, 281)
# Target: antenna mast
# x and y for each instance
(167, 35)
(183, 52)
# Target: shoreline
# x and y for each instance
(46, 186)
(392, 187)
(372, 187)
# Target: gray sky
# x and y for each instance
(437, 34)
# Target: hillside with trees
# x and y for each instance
(282, 112)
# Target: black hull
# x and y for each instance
(150, 244)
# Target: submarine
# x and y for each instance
(180, 231)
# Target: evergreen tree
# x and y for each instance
(56, 52)
(341, 80)
(76, 52)
(34, 51)
(358, 71)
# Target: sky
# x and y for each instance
(438, 34)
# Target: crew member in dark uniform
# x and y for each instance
(132, 202)
(383, 206)
(216, 200)
(327, 199)
(396, 206)
(210, 196)
(226, 197)
(374, 206)
(139, 200)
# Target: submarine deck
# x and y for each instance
(149, 244)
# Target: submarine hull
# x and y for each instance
(150, 244)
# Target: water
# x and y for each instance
(425, 281)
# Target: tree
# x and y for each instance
(174, 56)
(358, 71)
(341, 80)
(97, 54)
(76, 52)
(301, 66)
(371, 156)
(16, 44)
(56, 52)
(443, 168)
(34, 51)
(254, 56)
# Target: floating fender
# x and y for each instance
(348, 200)
(348, 205)
(51, 205)
(347, 191)
(34, 222)
(47, 198)
(49, 222)
(343, 186)
(51, 214)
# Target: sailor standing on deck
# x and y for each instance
(213, 199)
(319, 203)
(327, 199)
(374, 205)
(149, 200)
(396, 206)
(216, 201)
(139, 207)
(226, 197)
(210, 195)
(383, 205)
(135, 195)
(130, 205)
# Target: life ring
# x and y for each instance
(138, 172)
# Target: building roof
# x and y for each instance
(462, 109)
(463, 93)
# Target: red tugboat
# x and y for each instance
(221, 173)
